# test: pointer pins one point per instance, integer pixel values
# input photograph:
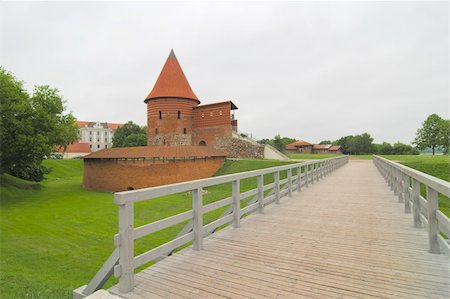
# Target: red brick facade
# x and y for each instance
(119, 175)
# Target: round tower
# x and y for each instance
(170, 107)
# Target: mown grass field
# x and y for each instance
(438, 166)
(54, 236)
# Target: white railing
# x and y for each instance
(122, 261)
(405, 182)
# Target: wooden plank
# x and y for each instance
(433, 226)
(126, 246)
(210, 227)
(147, 229)
(260, 198)
(269, 186)
(445, 247)
(444, 223)
(160, 250)
(197, 221)
(235, 186)
(217, 204)
(103, 274)
(250, 208)
(249, 193)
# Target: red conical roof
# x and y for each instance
(172, 82)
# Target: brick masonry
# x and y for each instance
(119, 175)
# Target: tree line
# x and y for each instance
(434, 134)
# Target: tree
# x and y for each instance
(434, 133)
(356, 145)
(31, 127)
(326, 142)
(130, 128)
(135, 140)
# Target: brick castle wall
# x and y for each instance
(119, 175)
(169, 129)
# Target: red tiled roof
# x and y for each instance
(298, 143)
(172, 82)
(112, 126)
(335, 148)
(156, 152)
(77, 147)
(321, 146)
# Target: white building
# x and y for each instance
(98, 135)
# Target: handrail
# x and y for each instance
(123, 260)
(405, 182)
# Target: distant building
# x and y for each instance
(304, 147)
(77, 149)
(98, 135)
(300, 146)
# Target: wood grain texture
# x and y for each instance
(345, 236)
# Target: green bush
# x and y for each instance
(30, 172)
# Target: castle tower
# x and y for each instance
(170, 107)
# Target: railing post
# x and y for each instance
(306, 175)
(126, 247)
(289, 176)
(401, 186)
(313, 172)
(277, 187)
(406, 194)
(416, 202)
(391, 177)
(236, 193)
(260, 183)
(299, 179)
(396, 183)
(197, 208)
(433, 227)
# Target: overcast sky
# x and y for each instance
(312, 71)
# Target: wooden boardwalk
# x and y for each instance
(343, 237)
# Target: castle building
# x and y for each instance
(176, 118)
(185, 140)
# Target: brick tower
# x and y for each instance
(170, 107)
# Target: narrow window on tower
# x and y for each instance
(184, 131)
(156, 131)
(160, 114)
(179, 114)
(211, 114)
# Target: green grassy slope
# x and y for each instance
(54, 239)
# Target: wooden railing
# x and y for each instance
(405, 182)
(122, 261)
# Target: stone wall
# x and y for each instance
(238, 148)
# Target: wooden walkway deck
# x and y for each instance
(343, 237)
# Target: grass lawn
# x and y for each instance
(438, 166)
(54, 236)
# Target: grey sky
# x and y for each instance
(311, 71)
